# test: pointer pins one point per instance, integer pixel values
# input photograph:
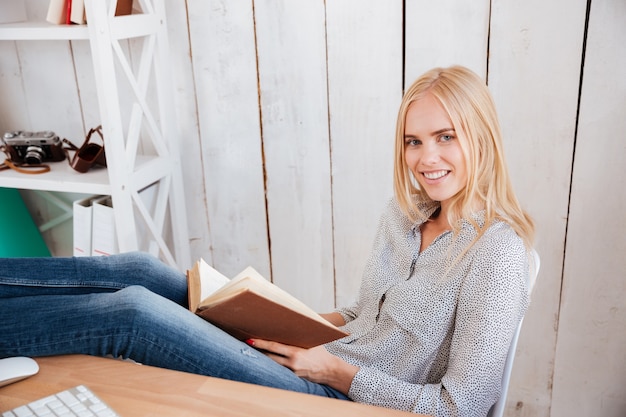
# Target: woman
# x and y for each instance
(442, 293)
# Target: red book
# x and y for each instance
(68, 13)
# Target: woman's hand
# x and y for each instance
(315, 364)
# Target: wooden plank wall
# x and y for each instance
(364, 87)
(534, 75)
(590, 359)
(286, 119)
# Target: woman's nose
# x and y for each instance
(430, 153)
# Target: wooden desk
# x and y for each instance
(139, 390)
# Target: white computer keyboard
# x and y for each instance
(78, 401)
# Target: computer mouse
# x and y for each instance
(16, 368)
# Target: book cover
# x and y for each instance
(124, 7)
(77, 14)
(57, 12)
(251, 307)
(68, 12)
(73, 11)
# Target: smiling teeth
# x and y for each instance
(435, 175)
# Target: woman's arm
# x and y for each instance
(335, 318)
(315, 364)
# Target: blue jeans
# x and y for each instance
(130, 305)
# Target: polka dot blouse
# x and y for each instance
(431, 332)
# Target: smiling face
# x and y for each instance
(432, 150)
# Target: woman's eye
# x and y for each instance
(412, 142)
(447, 138)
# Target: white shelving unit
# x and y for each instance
(150, 124)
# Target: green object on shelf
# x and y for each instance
(19, 236)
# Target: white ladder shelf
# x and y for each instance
(141, 139)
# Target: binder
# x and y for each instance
(103, 233)
(82, 223)
(94, 225)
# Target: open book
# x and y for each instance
(251, 307)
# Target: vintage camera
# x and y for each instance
(33, 148)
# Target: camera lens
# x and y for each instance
(34, 155)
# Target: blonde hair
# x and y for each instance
(468, 102)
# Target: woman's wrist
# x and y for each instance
(341, 375)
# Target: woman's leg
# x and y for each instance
(81, 275)
(139, 324)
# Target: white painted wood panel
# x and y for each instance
(590, 363)
(86, 84)
(14, 108)
(14, 113)
(46, 108)
(444, 33)
(292, 72)
(187, 119)
(534, 76)
(50, 105)
(224, 65)
(365, 88)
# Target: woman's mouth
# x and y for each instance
(435, 175)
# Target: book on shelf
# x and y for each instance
(251, 307)
(124, 7)
(58, 12)
(77, 15)
(62, 12)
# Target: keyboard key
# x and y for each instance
(79, 401)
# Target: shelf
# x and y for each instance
(63, 178)
(164, 231)
(42, 31)
(122, 27)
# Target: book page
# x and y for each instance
(274, 292)
(250, 280)
(211, 279)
